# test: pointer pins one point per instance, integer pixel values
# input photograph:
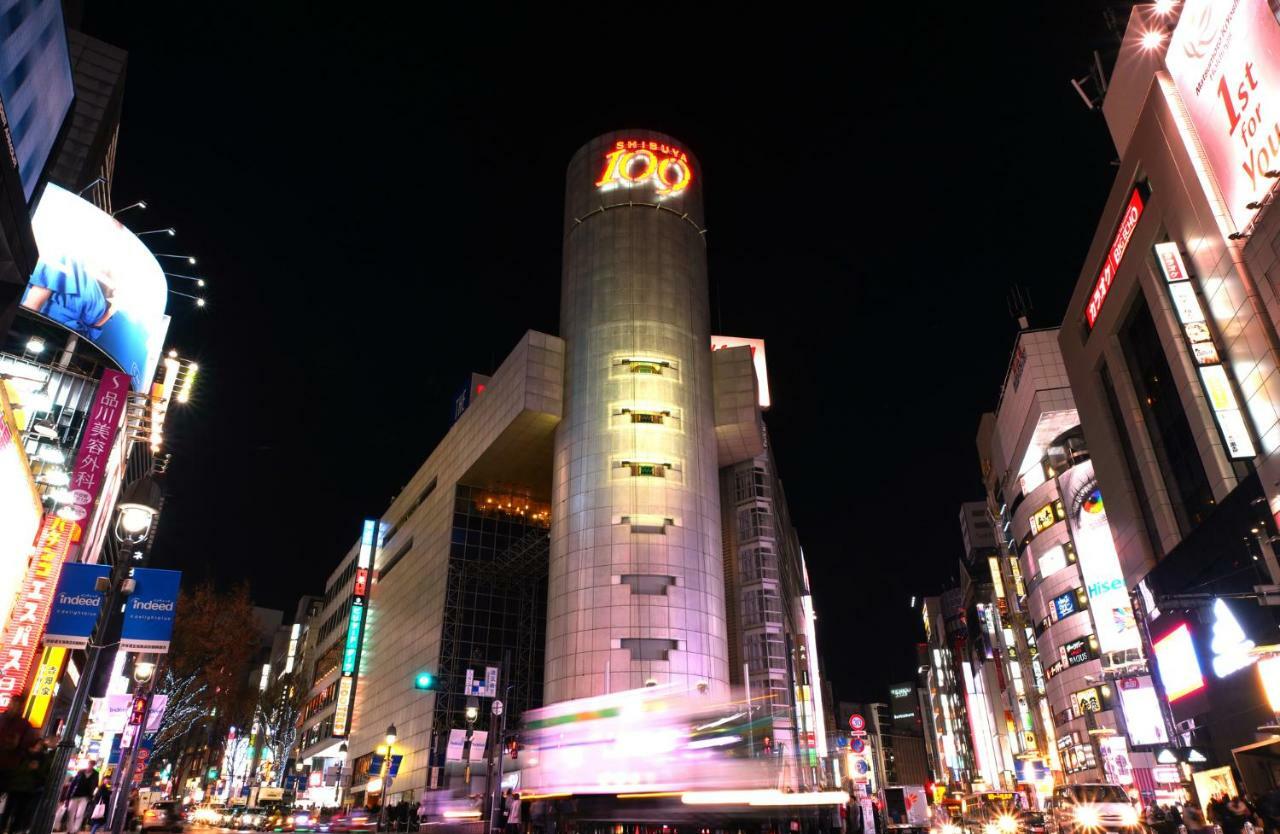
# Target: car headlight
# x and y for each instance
(1007, 824)
(1129, 816)
(1087, 816)
(950, 828)
(990, 828)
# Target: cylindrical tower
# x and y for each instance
(636, 584)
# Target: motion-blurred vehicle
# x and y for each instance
(165, 815)
(1033, 822)
(251, 819)
(1094, 808)
(357, 819)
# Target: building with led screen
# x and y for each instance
(1070, 639)
(573, 533)
(1170, 346)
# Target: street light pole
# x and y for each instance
(136, 512)
(471, 714)
(386, 778)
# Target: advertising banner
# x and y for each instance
(43, 685)
(1099, 563)
(105, 417)
(36, 85)
(1142, 716)
(149, 611)
(20, 508)
(26, 621)
(97, 279)
(75, 606)
(1224, 57)
(758, 361)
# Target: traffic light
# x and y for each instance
(424, 680)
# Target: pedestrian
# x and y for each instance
(100, 803)
(83, 786)
(1234, 815)
(1269, 810)
(1193, 818)
(513, 825)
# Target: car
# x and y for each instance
(162, 816)
(1092, 808)
(357, 819)
(1032, 822)
(252, 819)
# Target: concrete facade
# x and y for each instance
(636, 584)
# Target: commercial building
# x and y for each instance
(1170, 346)
(942, 679)
(575, 531)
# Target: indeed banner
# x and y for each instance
(150, 610)
(76, 604)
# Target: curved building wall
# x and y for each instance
(636, 578)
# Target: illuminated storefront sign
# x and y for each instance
(1051, 561)
(1065, 605)
(1178, 664)
(368, 541)
(26, 620)
(635, 162)
(362, 582)
(1113, 618)
(1217, 386)
(1087, 700)
(1042, 519)
(44, 686)
(350, 650)
(1224, 58)
(1115, 254)
(343, 711)
(1080, 650)
(20, 509)
(99, 436)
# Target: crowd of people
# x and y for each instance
(1231, 815)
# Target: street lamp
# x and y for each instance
(386, 778)
(342, 760)
(137, 509)
(471, 713)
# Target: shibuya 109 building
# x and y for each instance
(603, 515)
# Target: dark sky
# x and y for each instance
(376, 202)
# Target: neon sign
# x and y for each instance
(1115, 254)
(353, 637)
(635, 162)
(27, 619)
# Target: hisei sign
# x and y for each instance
(1115, 254)
(150, 610)
(1213, 376)
(103, 420)
(636, 162)
(76, 604)
(31, 609)
(1224, 58)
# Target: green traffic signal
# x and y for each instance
(424, 680)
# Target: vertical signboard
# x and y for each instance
(76, 604)
(1099, 563)
(369, 542)
(44, 685)
(1195, 329)
(26, 620)
(105, 416)
(150, 610)
(1115, 255)
(1224, 57)
(20, 508)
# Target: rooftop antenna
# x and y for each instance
(1096, 80)
(1020, 306)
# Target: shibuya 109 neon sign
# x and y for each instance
(634, 162)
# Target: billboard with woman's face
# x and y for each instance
(95, 278)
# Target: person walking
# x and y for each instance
(1234, 815)
(1193, 818)
(83, 786)
(513, 813)
(99, 804)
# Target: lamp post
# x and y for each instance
(342, 760)
(386, 778)
(472, 713)
(135, 516)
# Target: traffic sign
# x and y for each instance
(857, 723)
(496, 707)
(857, 745)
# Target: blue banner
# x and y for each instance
(75, 606)
(149, 611)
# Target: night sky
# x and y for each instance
(376, 200)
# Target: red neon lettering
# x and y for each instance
(1119, 245)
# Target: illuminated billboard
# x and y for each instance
(640, 162)
(36, 87)
(1115, 254)
(1224, 58)
(98, 280)
(757, 361)
(1142, 716)
(20, 509)
(1099, 563)
(1178, 664)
